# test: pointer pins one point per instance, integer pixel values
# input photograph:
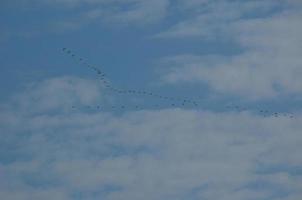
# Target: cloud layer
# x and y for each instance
(269, 63)
(164, 154)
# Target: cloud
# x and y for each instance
(61, 16)
(111, 12)
(58, 93)
(267, 66)
(211, 19)
(117, 13)
(163, 154)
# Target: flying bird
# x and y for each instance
(182, 101)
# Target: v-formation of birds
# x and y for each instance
(172, 101)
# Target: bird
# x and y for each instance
(175, 101)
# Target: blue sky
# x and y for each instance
(234, 58)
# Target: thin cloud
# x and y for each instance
(267, 67)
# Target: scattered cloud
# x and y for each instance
(58, 93)
(211, 19)
(50, 151)
(267, 66)
(117, 13)
(111, 12)
(164, 154)
(61, 16)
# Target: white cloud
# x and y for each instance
(58, 93)
(268, 66)
(69, 15)
(211, 19)
(112, 12)
(164, 154)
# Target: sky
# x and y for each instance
(140, 99)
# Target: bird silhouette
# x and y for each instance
(183, 101)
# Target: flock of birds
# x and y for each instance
(172, 101)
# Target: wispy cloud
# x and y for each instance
(211, 19)
(57, 94)
(116, 12)
(63, 16)
(267, 66)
